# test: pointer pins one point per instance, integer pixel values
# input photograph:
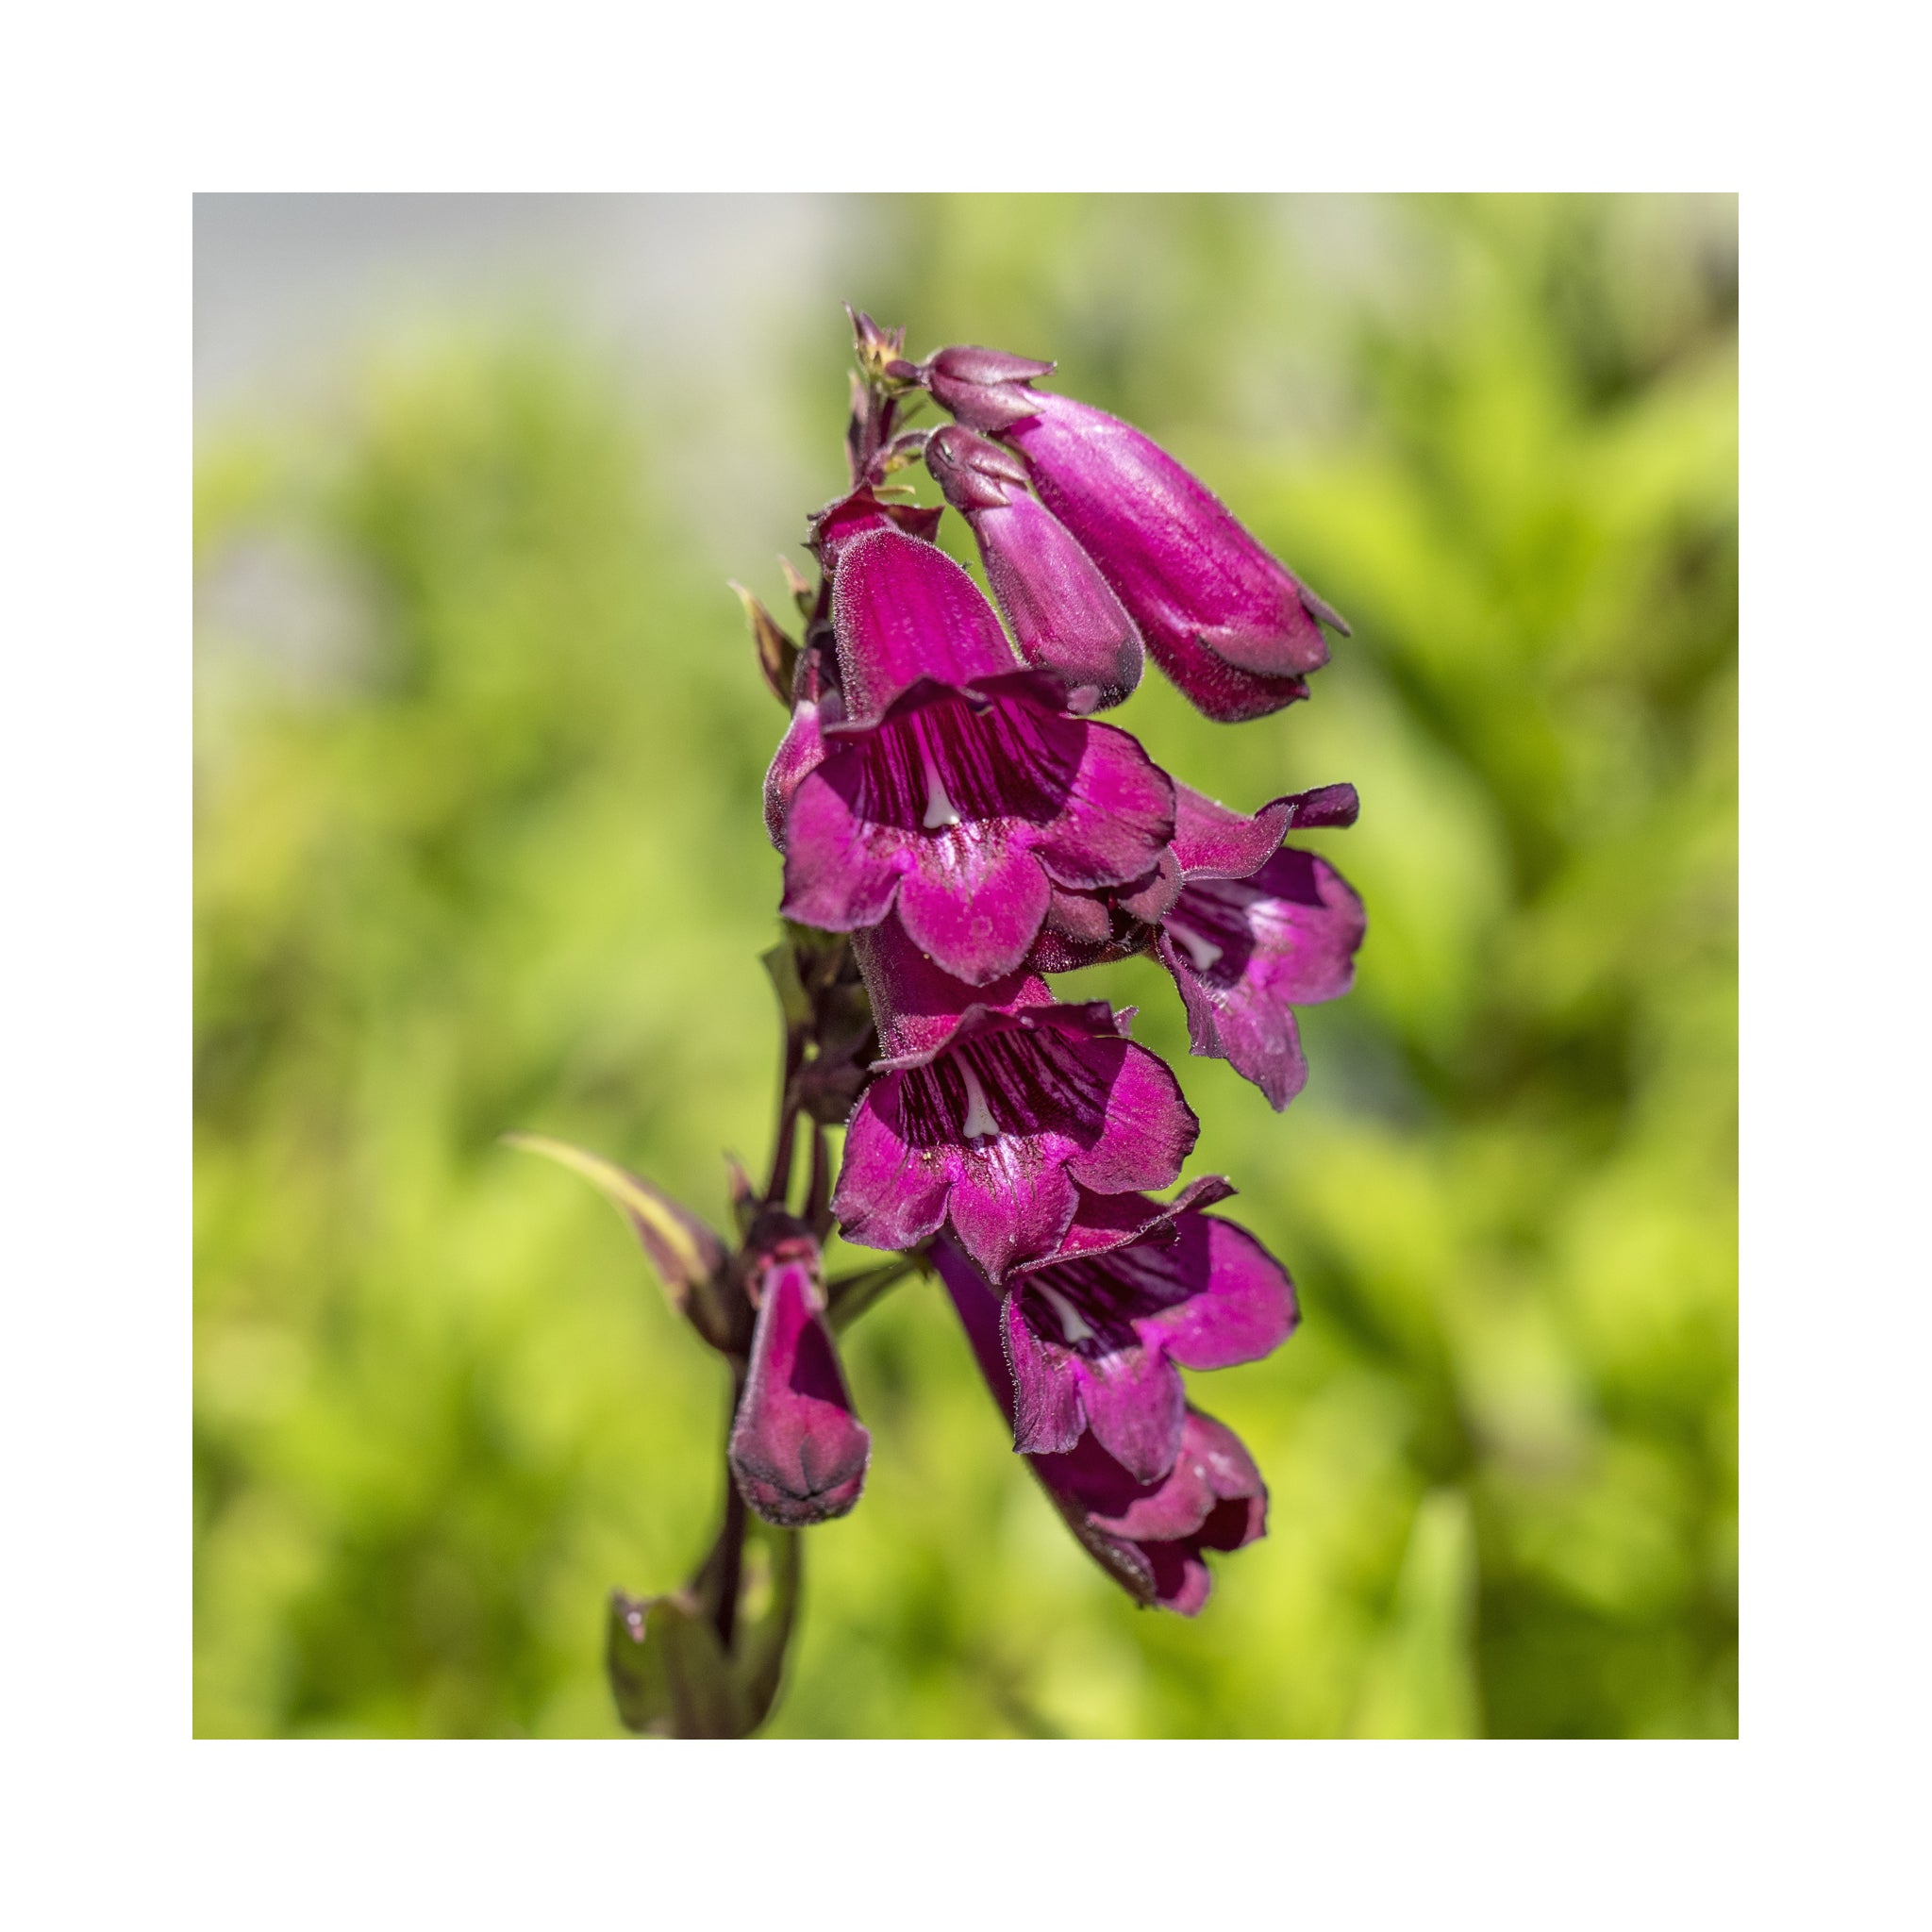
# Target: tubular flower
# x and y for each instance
(1248, 927)
(1151, 1537)
(1094, 1335)
(1061, 612)
(797, 1452)
(1259, 928)
(1228, 623)
(955, 795)
(992, 1108)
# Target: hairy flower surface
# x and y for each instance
(1093, 1337)
(958, 795)
(1227, 621)
(1062, 613)
(797, 1452)
(1151, 1537)
(992, 1108)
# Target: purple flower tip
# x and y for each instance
(984, 388)
(1060, 610)
(797, 1452)
(841, 522)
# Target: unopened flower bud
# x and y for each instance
(1061, 612)
(797, 1452)
(984, 388)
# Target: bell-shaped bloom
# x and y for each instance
(1259, 928)
(1059, 608)
(993, 1108)
(1150, 1537)
(797, 1452)
(1227, 622)
(1093, 1334)
(957, 793)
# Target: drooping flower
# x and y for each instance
(1249, 929)
(1094, 1335)
(797, 1452)
(1227, 622)
(1150, 1537)
(994, 1108)
(956, 794)
(1258, 931)
(1062, 613)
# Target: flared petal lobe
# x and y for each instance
(1245, 952)
(963, 811)
(903, 610)
(999, 1115)
(1093, 1338)
(797, 1452)
(1150, 1537)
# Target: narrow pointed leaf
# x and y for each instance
(778, 654)
(684, 1252)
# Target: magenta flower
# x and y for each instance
(1062, 614)
(1094, 1335)
(1150, 1537)
(994, 1108)
(1258, 931)
(1229, 623)
(797, 1452)
(1249, 929)
(956, 794)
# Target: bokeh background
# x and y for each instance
(478, 747)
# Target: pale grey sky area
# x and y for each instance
(698, 297)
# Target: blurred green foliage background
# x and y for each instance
(479, 743)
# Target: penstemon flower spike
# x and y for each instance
(954, 824)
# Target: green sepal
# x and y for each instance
(669, 1673)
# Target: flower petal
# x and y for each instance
(1147, 1129)
(797, 1452)
(903, 609)
(892, 1193)
(1212, 842)
(1118, 815)
(1244, 952)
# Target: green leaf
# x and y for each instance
(669, 1673)
(682, 1248)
